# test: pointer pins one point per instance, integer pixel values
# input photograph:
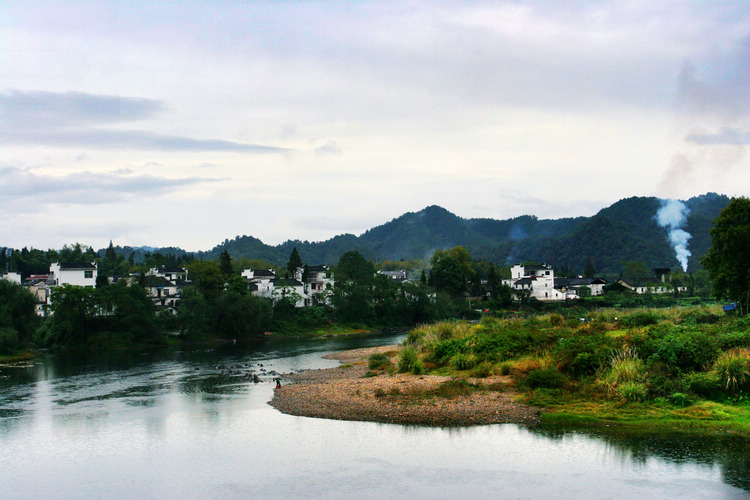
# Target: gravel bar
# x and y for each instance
(343, 393)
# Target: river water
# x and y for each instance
(192, 424)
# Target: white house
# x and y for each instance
(78, 274)
(14, 277)
(537, 282)
(319, 284)
(260, 281)
(292, 288)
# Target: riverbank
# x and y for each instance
(354, 392)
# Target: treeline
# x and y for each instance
(220, 305)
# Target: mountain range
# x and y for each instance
(626, 231)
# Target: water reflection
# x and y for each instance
(193, 423)
(731, 454)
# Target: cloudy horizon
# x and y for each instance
(187, 123)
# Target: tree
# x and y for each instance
(295, 262)
(353, 293)
(225, 264)
(17, 317)
(451, 270)
(728, 259)
(589, 271)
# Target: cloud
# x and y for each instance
(731, 136)
(69, 120)
(67, 109)
(84, 188)
(329, 148)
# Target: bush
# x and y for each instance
(584, 353)
(679, 399)
(737, 338)
(379, 361)
(640, 319)
(408, 361)
(547, 378)
(462, 361)
(686, 349)
(732, 369)
(632, 391)
(705, 385)
(482, 370)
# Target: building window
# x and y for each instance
(88, 274)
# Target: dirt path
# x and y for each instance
(342, 393)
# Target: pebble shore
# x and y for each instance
(343, 393)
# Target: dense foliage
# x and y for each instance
(674, 355)
(18, 320)
(728, 260)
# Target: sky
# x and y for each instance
(186, 123)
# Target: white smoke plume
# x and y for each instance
(673, 215)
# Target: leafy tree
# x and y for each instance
(17, 316)
(192, 313)
(728, 259)
(352, 295)
(451, 270)
(239, 316)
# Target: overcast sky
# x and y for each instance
(185, 123)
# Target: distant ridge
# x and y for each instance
(626, 231)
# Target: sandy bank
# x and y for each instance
(342, 393)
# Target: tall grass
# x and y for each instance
(626, 376)
(733, 369)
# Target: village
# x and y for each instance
(315, 284)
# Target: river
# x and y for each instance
(193, 424)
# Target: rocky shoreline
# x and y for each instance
(344, 393)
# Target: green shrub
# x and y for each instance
(584, 353)
(556, 319)
(736, 338)
(482, 370)
(548, 378)
(632, 391)
(732, 369)
(679, 399)
(379, 361)
(463, 361)
(705, 385)
(640, 319)
(681, 347)
(408, 361)
(505, 368)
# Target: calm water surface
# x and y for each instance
(193, 425)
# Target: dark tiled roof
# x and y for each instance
(263, 273)
(156, 282)
(317, 269)
(78, 265)
(286, 282)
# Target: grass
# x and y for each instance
(676, 368)
(704, 417)
(17, 358)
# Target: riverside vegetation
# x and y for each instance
(672, 368)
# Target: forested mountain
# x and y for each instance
(626, 231)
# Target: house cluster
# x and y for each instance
(305, 288)
(540, 283)
(165, 285)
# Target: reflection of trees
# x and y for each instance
(730, 453)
